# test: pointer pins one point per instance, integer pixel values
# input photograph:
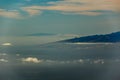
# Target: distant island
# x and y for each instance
(111, 38)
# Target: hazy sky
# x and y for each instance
(39, 21)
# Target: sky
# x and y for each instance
(28, 22)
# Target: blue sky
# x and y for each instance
(56, 19)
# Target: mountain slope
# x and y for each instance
(113, 37)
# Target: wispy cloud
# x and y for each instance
(9, 13)
(76, 7)
(42, 34)
(68, 35)
(83, 7)
(32, 12)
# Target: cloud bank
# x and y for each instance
(71, 7)
(47, 61)
(80, 7)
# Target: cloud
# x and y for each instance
(80, 61)
(17, 54)
(69, 35)
(98, 61)
(41, 34)
(9, 13)
(31, 60)
(71, 7)
(7, 44)
(48, 61)
(3, 60)
(83, 7)
(31, 11)
(53, 34)
(3, 54)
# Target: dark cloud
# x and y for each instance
(41, 34)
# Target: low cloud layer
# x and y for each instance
(79, 61)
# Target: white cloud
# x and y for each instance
(7, 44)
(31, 60)
(3, 60)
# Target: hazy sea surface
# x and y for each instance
(61, 61)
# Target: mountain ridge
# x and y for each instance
(112, 37)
